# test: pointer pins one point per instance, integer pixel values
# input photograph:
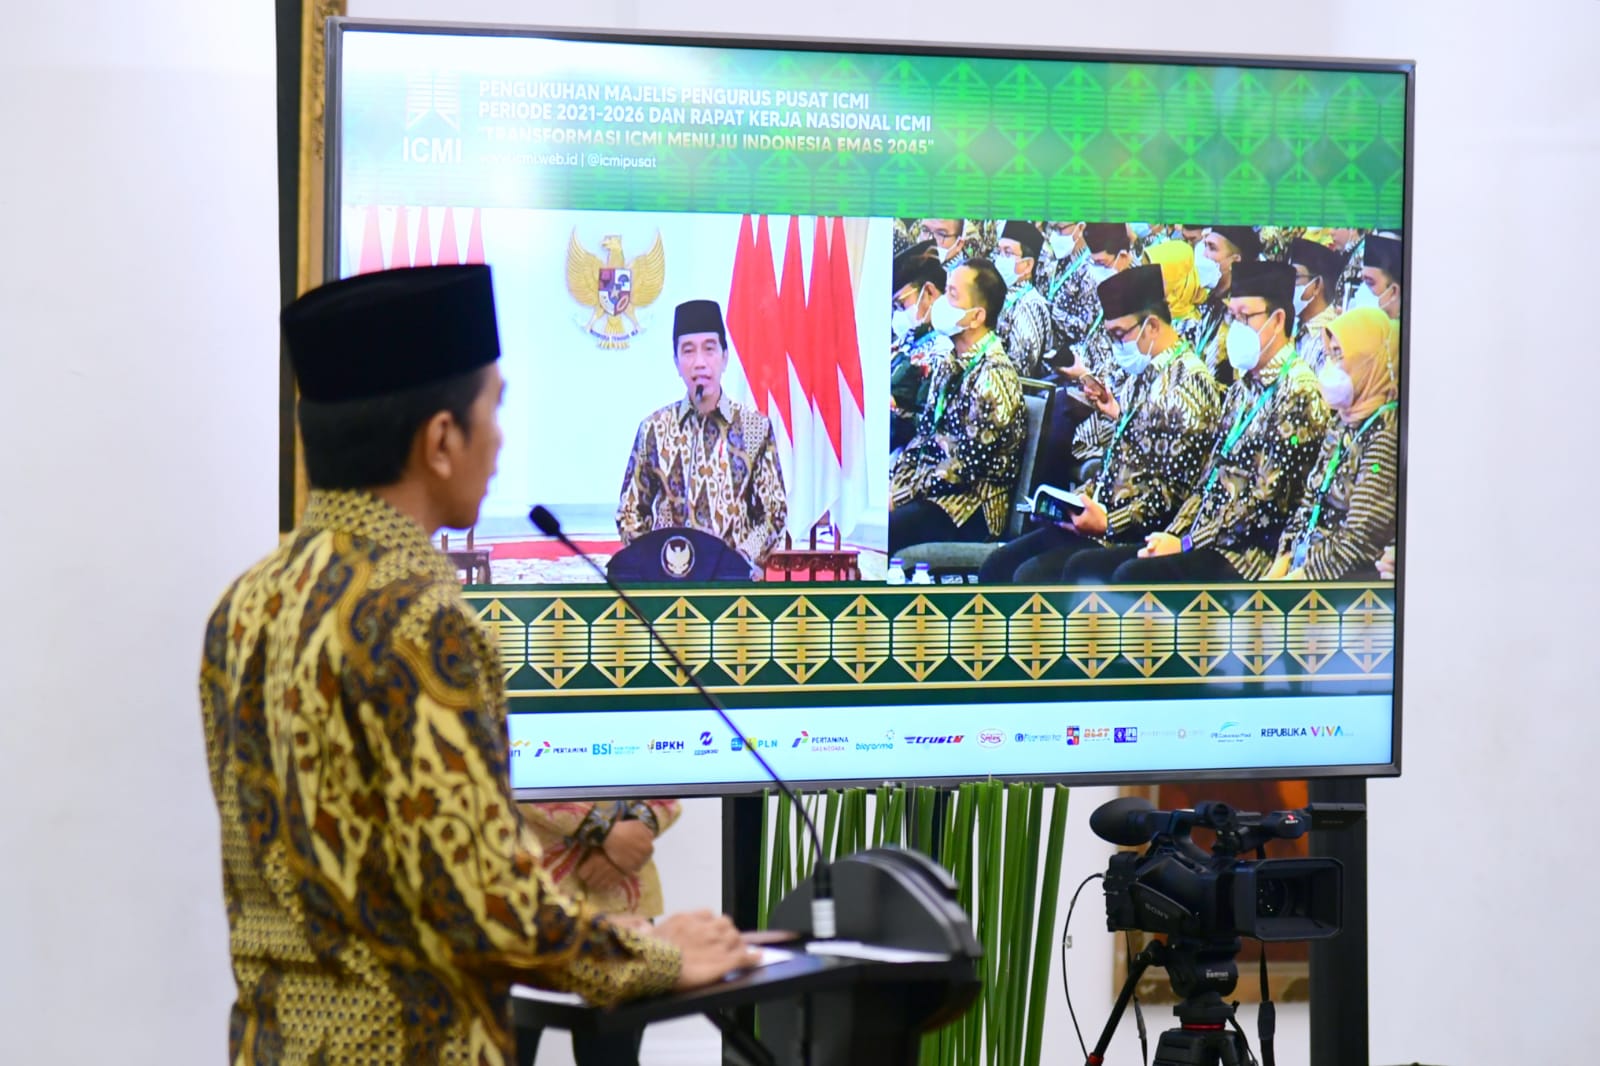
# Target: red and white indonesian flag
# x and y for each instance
(795, 341)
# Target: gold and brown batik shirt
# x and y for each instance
(382, 891)
(1159, 446)
(969, 438)
(1354, 502)
(1272, 427)
(717, 473)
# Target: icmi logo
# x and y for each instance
(436, 95)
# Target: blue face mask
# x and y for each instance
(1128, 356)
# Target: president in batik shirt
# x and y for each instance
(705, 462)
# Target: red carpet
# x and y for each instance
(551, 549)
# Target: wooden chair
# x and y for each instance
(471, 560)
(839, 562)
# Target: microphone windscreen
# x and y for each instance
(544, 521)
(1122, 821)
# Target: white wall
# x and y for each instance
(139, 351)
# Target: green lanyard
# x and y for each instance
(1333, 466)
(983, 349)
(1061, 278)
(1243, 424)
(1015, 294)
(1208, 337)
(1165, 360)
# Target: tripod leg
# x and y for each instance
(1140, 963)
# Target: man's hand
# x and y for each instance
(1104, 401)
(1279, 568)
(711, 947)
(600, 874)
(629, 845)
(1386, 564)
(1091, 521)
(1158, 544)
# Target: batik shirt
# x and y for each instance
(1213, 329)
(1074, 305)
(568, 832)
(1351, 493)
(1025, 330)
(382, 891)
(969, 438)
(912, 357)
(1159, 445)
(1310, 344)
(1272, 427)
(717, 473)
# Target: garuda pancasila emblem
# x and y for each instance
(613, 288)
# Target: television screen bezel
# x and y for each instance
(337, 26)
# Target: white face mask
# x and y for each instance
(1207, 270)
(1244, 347)
(1141, 229)
(902, 321)
(1007, 265)
(1062, 245)
(946, 316)
(1301, 302)
(1337, 388)
(1098, 273)
(1128, 356)
(1363, 297)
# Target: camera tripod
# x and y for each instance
(1201, 971)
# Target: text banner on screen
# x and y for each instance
(512, 121)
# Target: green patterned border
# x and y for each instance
(1033, 137)
(567, 648)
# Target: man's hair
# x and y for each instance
(991, 289)
(363, 444)
(1157, 308)
(1287, 309)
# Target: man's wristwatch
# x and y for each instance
(1187, 542)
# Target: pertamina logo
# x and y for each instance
(433, 118)
(545, 748)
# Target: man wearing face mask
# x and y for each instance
(1161, 428)
(1273, 423)
(917, 347)
(1347, 511)
(1024, 324)
(1069, 290)
(1223, 248)
(1381, 271)
(948, 237)
(953, 482)
(1316, 278)
(1351, 244)
(1109, 252)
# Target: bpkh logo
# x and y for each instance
(1125, 734)
(946, 739)
(665, 745)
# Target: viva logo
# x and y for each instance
(1327, 730)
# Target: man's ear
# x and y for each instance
(432, 447)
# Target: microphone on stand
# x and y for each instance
(823, 925)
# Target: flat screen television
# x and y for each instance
(817, 344)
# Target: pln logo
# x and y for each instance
(433, 118)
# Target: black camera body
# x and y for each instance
(1176, 887)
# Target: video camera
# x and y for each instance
(1176, 887)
